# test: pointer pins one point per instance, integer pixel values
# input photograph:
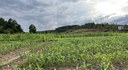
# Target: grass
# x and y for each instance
(101, 51)
(9, 42)
(94, 52)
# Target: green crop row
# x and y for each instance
(12, 42)
(88, 34)
(105, 52)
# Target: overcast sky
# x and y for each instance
(49, 14)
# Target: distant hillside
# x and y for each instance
(89, 27)
(86, 30)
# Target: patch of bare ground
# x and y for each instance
(8, 61)
(13, 64)
(12, 59)
(122, 66)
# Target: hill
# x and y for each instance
(88, 27)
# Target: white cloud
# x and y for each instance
(111, 7)
(49, 14)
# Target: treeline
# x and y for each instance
(101, 26)
(10, 27)
(88, 26)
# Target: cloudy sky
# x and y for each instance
(49, 14)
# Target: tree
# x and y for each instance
(32, 29)
(2, 24)
(10, 26)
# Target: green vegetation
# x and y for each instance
(101, 51)
(101, 27)
(64, 48)
(100, 47)
(12, 42)
(32, 29)
(10, 26)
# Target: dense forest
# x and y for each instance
(10, 27)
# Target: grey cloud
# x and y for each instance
(121, 20)
(49, 14)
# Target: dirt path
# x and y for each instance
(10, 57)
(10, 60)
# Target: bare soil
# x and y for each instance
(8, 61)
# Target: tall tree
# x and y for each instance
(2, 24)
(32, 29)
(10, 26)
